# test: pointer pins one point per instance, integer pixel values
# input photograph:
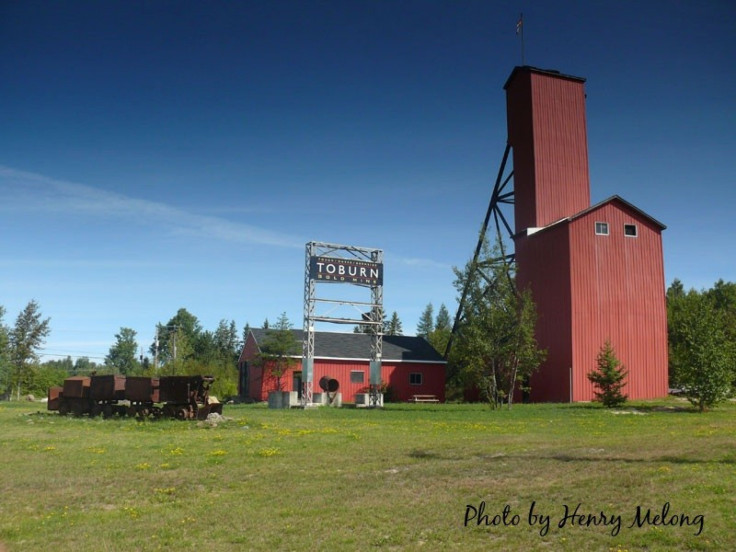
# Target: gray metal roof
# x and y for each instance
(613, 198)
(624, 202)
(403, 348)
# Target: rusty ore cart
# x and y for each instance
(182, 397)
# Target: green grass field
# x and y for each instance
(402, 478)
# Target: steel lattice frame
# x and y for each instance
(374, 320)
(500, 196)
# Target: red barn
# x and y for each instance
(596, 272)
(410, 365)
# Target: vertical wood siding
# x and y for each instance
(560, 148)
(395, 374)
(590, 288)
(618, 292)
(547, 130)
(520, 128)
(543, 263)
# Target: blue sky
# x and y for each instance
(166, 154)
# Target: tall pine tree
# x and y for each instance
(426, 322)
(26, 339)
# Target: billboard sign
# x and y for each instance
(346, 271)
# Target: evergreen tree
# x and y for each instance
(443, 321)
(394, 325)
(426, 322)
(440, 335)
(25, 340)
(370, 328)
(226, 340)
(122, 357)
(609, 377)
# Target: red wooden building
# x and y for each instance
(410, 365)
(596, 272)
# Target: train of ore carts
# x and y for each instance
(181, 397)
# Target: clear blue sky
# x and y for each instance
(165, 154)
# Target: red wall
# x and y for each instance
(587, 288)
(543, 262)
(547, 131)
(395, 374)
(618, 293)
(590, 288)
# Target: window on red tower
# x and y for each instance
(630, 230)
(601, 228)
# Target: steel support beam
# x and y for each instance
(498, 196)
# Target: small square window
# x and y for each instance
(415, 379)
(357, 376)
(601, 228)
(630, 230)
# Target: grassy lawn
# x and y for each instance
(401, 478)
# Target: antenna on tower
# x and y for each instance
(520, 32)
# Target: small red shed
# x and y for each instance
(410, 365)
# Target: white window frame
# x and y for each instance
(636, 230)
(604, 224)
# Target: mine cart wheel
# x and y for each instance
(131, 411)
(143, 412)
(157, 411)
(107, 411)
(64, 408)
(77, 409)
(182, 414)
(95, 410)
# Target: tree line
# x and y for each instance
(495, 350)
(181, 347)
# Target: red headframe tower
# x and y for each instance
(596, 272)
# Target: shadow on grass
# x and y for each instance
(424, 454)
(657, 460)
(636, 409)
(728, 460)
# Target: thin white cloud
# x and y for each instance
(421, 263)
(30, 191)
(49, 263)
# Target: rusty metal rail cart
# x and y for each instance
(181, 397)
